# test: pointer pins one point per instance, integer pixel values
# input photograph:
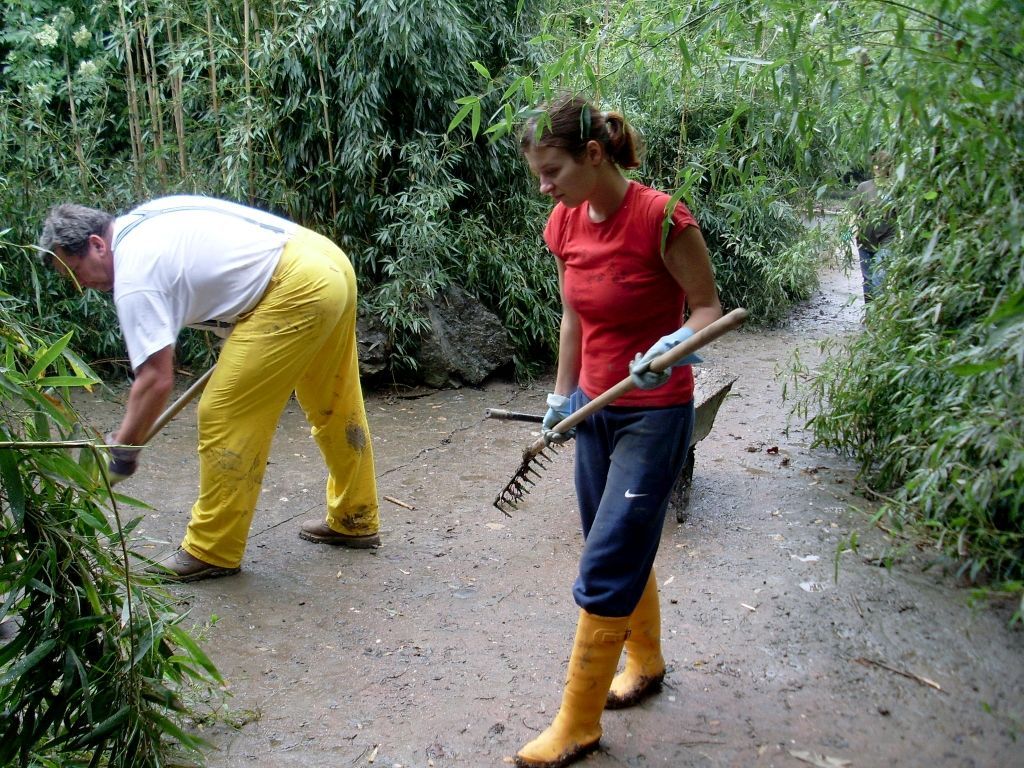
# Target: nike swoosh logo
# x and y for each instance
(631, 495)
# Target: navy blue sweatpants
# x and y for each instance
(627, 460)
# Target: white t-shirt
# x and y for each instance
(189, 260)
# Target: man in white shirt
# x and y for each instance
(286, 299)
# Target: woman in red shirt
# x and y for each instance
(635, 281)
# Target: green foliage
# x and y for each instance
(765, 259)
(764, 256)
(321, 111)
(513, 263)
(93, 660)
(740, 157)
(930, 399)
(53, 96)
(421, 247)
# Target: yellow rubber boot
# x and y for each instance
(645, 666)
(576, 729)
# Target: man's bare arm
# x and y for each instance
(154, 380)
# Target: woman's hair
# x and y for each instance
(570, 122)
(68, 227)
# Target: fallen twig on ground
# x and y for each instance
(908, 675)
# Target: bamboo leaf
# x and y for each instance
(168, 726)
(460, 116)
(27, 662)
(514, 88)
(481, 69)
(975, 369)
(476, 119)
(1010, 308)
(93, 521)
(103, 729)
(48, 356)
(13, 648)
(81, 368)
(66, 381)
(666, 222)
(195, 653)
(13, 484)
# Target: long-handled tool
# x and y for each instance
(534, 457)
(708, 397)
(174, 408)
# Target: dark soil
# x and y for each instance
(448, 645)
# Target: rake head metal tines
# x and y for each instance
(534, 460)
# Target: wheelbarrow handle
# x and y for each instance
(501, 413)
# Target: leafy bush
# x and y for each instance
(425, 243)
(327, 112)
(930, 399)
(95, 664)
(765, 257)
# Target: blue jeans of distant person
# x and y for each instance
(627, 461)
(872, 270)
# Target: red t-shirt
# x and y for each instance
(625, 297)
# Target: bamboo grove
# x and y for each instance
(389, 125)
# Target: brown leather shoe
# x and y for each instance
(319, 532)
(181, 567)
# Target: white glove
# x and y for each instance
(640, 369)
(558, 409)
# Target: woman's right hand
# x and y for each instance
(559, 408)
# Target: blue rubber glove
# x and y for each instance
(558, 409)
(640, 369)
(124, 459)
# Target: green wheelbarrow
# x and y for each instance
(709, 392)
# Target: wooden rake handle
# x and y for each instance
(704, 336)
(174, 408)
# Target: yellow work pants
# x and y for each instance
(301, 338)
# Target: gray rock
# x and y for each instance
(466, 342)
(373, 345)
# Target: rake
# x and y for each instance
(536, 458)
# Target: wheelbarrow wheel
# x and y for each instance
(680, 498)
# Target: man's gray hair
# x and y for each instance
(68, 227)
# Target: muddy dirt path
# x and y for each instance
(448, 646)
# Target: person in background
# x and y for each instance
(875, 224)
(286, 299)
(635, 280)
